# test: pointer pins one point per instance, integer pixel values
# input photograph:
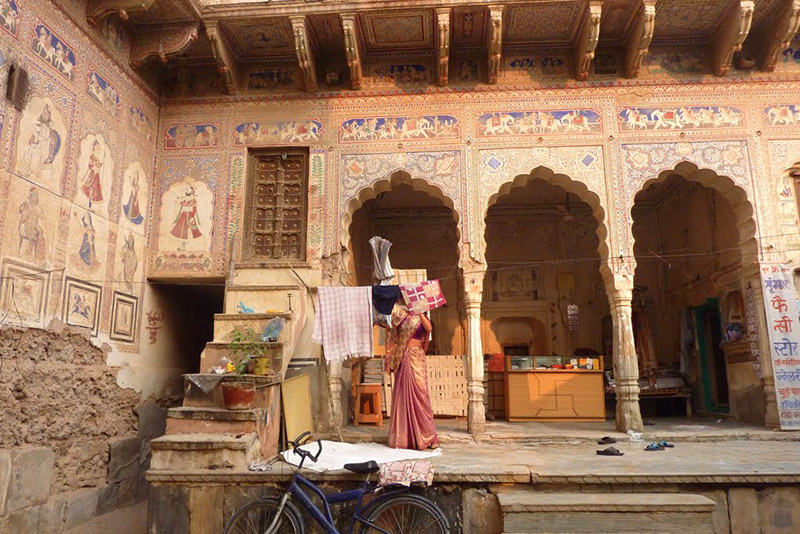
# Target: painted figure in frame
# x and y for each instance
(129, 260)
(91, 185)
(131, 207)
(87, 251)
(31, 233)
(412, 413)
(42, 147)
(185, 225)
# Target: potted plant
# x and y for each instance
(245, 348)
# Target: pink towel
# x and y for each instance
(422, 297)
(344, 322)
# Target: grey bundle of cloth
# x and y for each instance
(382, 275)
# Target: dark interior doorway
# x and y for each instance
(712, 359)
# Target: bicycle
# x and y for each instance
(394, 510)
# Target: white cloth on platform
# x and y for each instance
(335, 454)
(343, 325)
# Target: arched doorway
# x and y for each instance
(693, 231)
(544, 297)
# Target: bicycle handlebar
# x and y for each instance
(297, 443)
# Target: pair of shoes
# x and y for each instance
(606, 440)
(610, 451)
(654, 447)
(664, 444)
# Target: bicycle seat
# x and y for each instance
(363, 467)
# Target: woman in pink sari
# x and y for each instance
(412, 415)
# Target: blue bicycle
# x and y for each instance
(392, 510)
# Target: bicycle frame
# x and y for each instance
(324, 517)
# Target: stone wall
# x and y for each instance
(69, 445)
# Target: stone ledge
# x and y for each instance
(668, 479)
(199, 442)
(521, 501)
(213, 414)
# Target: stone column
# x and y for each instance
(626, 367)
(335, 385)
(473, 293)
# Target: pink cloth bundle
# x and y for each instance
(422, 297)
(406, 473)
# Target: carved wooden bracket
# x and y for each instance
(443, 45)
(779, 33)
(161, 43)
(226, 61)
(731, 36)
(305, 54)
(638, 44)
(587, 40)
(352, 48)
(495, 42)
(97, 10)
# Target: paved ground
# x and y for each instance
(129, 520)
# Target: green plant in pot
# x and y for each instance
(244, 349)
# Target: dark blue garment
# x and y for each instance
(384, 297)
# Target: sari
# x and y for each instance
(412, 424)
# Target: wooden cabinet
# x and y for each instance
(555, 394)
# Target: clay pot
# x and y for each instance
(238, 395)
(261, 365)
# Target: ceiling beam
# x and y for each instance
(226, 61)
(305, 54)
(162, 43)
(97, 10)
(778, 34)
(495, 42)
(731, 36)
(442, 45)
(586, 44)
(352, 49)
(638, 44)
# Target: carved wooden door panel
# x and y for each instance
(277, 207)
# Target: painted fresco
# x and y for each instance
(398, 74)
(393, 128)
(9, 16)
(87, 244)
(465, 70)
(675, 63)
(40, 144)
(186, 217)
(104, 94)
(538, 122)
(95, 173)
(128, 261)
(274, 78)
(51, 48)
(81, 304)
(790, 58)
(181, 136)
(23, 292)
(31, 225)
(682, 117)
(124, 317)
(135, 195)
(113, 34)
(782, 115)
(532, 67)
(140, 122)
(257, 133)
(194, 81)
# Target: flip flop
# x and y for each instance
(654, 447)
(665, 444)
(648, 422)
(606, 440)
(610, 451)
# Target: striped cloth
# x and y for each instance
(343, 325)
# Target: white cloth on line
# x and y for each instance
(343, 325)
(381, 267)
(335, 454)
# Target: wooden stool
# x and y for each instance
(368, 404)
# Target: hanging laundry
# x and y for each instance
(384, 297)
(343, 325)
(423, 297)
(382, 271)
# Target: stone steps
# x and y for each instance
(263, 297)
(187, 452)
(202, 420)
(214, 351)
(224, 323)
(611, 513)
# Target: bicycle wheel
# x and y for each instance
(406, 514)
(257, 516)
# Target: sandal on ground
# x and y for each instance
(665, 444)
(654, 447)
(606, 440)
(610, 451)
(648, 422)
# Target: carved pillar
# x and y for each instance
(226, 62)
(587, 40)
(777, 36)
(473, 294)
(495, 42)
(305, 55)
(351, 48)
(626, 367)
(638, 45)
(731, 36)
(443, 45)
(97, 10)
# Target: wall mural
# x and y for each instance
(81, 304)
(538, 122)
(135, 195)
(397, 74)
(9, 16)
(87, 245)
(180, 136)
(104, 94)
(681, 117)
(782, 115)
(128, 268)
(140, 123)
(186, 217)
(257, 133)
(23, 292)
(532, 67)
(271, 79)
(672, 63)
(394, 128)
(51, 48)
(40, 144)
(95, 172)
